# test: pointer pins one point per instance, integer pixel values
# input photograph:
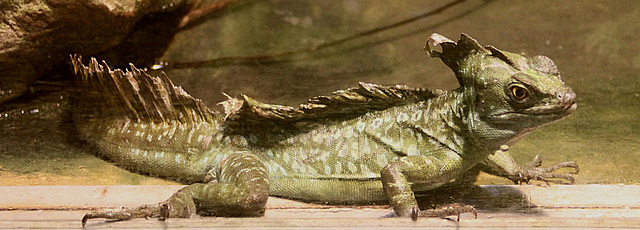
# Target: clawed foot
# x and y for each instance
(146, 211)
(179, 205)
(533, 171)
(442, 212)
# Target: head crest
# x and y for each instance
(454, 54)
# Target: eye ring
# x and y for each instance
(519, 93)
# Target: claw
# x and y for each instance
(84, 220)
(414, 213)
(470, 209)
(164, 212)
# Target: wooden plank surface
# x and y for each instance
(577, 206)
(287, 219)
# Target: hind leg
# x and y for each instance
(241, 188)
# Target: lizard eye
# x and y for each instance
(519, 93)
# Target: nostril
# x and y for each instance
(567, 97)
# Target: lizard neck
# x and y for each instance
(450, 119)
(483, 134)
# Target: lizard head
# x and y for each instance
(507, 94)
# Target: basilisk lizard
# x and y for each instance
(361, 145)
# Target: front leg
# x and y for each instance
(431, 170)
(241, 188)
(502, 164)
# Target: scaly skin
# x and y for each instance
(365, 145)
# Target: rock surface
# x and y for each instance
(37, 35)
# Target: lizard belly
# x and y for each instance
(326, 182)
(329, 190)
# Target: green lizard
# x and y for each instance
(362, 145)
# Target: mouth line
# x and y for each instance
(545, 110)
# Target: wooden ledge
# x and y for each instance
(93, 197)
(499, 206)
